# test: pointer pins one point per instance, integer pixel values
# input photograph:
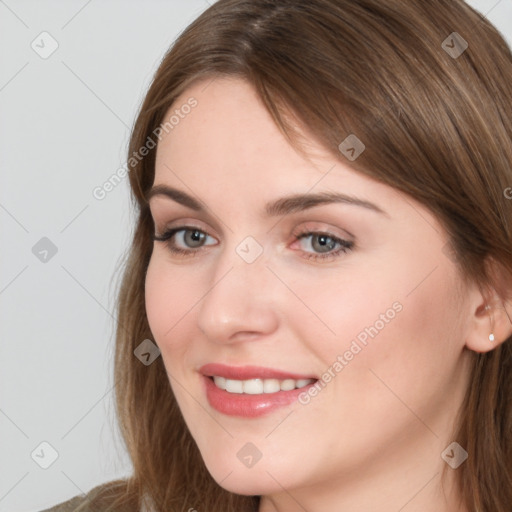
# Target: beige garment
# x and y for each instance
(82, 503)
(78, 503)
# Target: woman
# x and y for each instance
(315, 314)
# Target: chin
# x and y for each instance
(261, 479)
(248, 484)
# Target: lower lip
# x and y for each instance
(249, 406)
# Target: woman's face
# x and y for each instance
(359, 295)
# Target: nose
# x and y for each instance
(240, 303)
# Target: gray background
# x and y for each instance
(64, 128)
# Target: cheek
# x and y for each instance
(380, 325)
(157, 297)
(413, 357)
(347, 310)
(169, 297)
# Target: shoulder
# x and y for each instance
(76, 504)
(97, 499)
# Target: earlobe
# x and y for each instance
(502, 320)
(491, 326)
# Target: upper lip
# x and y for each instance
(248, 372)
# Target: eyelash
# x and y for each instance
(345, 245)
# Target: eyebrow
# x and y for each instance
(282, 206)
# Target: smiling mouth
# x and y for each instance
(259, 386)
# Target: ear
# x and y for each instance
(491, 320)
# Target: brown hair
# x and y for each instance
(436, 126)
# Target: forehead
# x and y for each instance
(229, 133)
(229, 115)
(228, 145)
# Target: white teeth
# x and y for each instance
(287, 385)
(302, 382)
(259, 386)
(234, 386)
(220, 382)
(253, 386)
(271, 386)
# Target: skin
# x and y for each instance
(372, 438)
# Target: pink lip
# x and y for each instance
(248, 372)
(245, 405)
